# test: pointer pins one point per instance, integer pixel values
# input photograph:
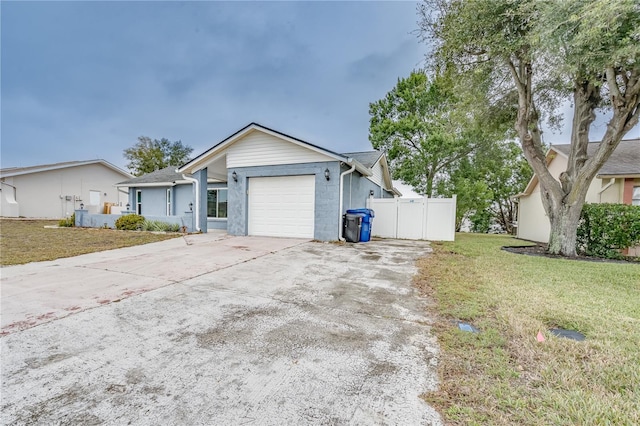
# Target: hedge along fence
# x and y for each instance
(606, 229)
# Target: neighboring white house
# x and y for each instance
(56, 190)
(618, 181)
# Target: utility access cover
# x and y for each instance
(567, 334)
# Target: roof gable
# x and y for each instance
(220, 148)
(258, 148)
(17, 171)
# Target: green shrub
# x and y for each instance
(605, 229)
(159, 226)
(130, 222)
(68, 222)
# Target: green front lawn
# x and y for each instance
(24, 241)
(503, 375)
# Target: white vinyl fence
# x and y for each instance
(431, 219)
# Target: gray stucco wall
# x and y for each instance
(154, 201)
(182, 196)
(357, 189)
(326, 196)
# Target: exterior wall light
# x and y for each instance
(191, 207)
(81, 206)
(327, 174)
(234, 175)
(128, 206)
(371, 193)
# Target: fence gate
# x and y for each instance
(414, 218)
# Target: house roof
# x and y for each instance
(366, 158)
(211, 153)
(166, 176)
(624, 161)
(363, 161)
(17, 171)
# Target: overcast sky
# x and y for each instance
(82, 80)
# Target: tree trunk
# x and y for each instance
(564, 226)
(429, 190)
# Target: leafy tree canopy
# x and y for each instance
(542, 53)
(485, 183)
(148, 155)
(425, 128)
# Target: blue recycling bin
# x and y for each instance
(367, 220)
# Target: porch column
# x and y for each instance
(201, 175)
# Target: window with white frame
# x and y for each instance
(138, 201)
(168, 201)
(635, 199)
(217, 203)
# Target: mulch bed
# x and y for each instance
(541, 250)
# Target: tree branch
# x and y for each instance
(616, 96)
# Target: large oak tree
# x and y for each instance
(547, 52)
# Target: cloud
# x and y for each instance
(85, 79)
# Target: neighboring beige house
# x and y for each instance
(617, 182)
(56, 190)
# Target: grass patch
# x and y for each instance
(503, 375)
(24, 241)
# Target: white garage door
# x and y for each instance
(282, 206)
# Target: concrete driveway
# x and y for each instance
(281, 332)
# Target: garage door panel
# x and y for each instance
(282, 206)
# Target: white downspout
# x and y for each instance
(342, 175)
(196, 183)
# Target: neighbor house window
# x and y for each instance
(635, 200)
(168, 201)
(139, 201)
(217, 202)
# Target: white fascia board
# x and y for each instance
(151, 184)
(364, 171)
(620, 176)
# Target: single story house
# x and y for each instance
(259, 181)
(618, 181)
(56, 190)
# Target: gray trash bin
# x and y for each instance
(351, 224)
